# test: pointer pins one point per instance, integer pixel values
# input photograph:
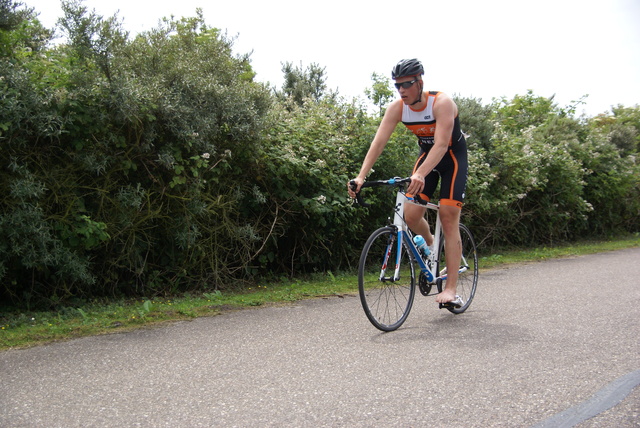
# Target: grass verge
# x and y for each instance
(20, 329)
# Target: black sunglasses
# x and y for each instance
(405, 85)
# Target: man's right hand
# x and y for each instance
(358, 182)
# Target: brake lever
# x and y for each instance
(359, 200)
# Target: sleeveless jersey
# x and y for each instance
(423, 123)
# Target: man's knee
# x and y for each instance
(412, 219)
(413, 216)
(449, 216)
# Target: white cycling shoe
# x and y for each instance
(455, 303)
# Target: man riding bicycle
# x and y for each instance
(433, 118)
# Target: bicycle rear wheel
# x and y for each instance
(386, 295)
(468, 273)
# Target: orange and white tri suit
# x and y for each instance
(453, 167)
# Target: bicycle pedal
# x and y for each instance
(454, 304)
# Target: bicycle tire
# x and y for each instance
(386, 302)
(467, 280)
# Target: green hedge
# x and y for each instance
(156, 165)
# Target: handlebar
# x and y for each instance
(395, 181)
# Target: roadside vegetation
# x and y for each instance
(19, 329)
(150, 174)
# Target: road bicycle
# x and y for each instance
(391, 265)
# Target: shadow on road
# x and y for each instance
(474, 329)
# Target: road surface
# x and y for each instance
(555, 339)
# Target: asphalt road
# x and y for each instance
(538, 339)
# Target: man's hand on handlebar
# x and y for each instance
(416, 185)
(358, 185)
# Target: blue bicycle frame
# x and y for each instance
(404, 234)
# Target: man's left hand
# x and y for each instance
(417, 184)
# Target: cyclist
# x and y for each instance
(433, 118)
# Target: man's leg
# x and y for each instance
(414, 216)
(450, 218)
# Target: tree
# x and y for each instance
(625, 133)
(380, 92)
(300, 83)
(20, 31)
(92, 39)
(124, 162)
(524, 111)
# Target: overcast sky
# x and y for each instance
(473, 48)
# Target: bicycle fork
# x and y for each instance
(397, 244)
(398, 223)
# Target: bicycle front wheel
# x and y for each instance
(468, 273)
(386, 279)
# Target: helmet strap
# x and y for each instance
(419, 94)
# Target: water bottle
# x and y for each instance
(423, 248)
